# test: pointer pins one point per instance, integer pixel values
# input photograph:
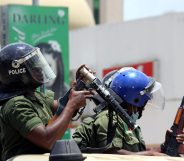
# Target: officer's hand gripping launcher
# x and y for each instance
(63, 101)
(106, 93)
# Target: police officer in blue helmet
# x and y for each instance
(25, 112)
(137, 90)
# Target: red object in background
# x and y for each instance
(146, 67)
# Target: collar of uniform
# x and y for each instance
(31, 96)
(35, 96)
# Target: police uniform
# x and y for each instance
(19, 116)
(93, 133)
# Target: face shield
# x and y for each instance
(155, 92)
(37, 66)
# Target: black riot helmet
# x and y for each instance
(22, 68)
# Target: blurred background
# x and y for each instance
(107, 35)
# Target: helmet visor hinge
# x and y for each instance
(149, 87)
(17, 63)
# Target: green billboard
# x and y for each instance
(46, 28)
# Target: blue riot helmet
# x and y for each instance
(22, 67)
(137, 89)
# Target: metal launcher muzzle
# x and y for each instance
(86, 74)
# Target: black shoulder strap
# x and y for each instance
(101, 104)
(111, 128)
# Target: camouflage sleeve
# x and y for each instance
(49, 98)
(83, 133)
(21, 116)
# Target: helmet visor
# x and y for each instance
(157, 97)
(38, 66)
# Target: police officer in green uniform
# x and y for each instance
(136, 90)
(25, 112)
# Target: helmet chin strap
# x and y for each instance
(134, 113)
(133, 109)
